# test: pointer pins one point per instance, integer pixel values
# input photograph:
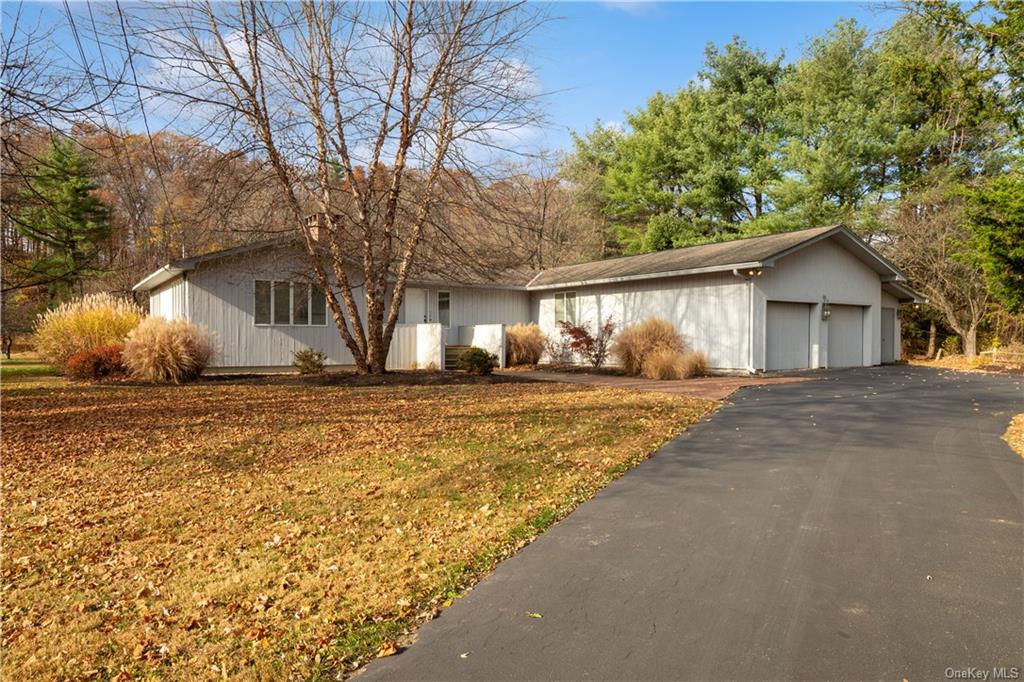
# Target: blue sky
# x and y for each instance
(600, 60)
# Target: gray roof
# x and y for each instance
(720, 255)
(753, 252)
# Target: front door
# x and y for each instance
(415, 306)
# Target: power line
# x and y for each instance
(142, 110)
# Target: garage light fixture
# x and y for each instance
(826, 309)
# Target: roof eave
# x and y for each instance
(728, 267)
(902, 292)
(157, 277)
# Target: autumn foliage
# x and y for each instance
(162, 350)
(96, 363)
(278, 531)
(654, 349)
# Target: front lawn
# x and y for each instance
(24, 367)
(270, 531)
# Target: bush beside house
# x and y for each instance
(654, 349)
(163, 350)
(82, 325)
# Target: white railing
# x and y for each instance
(490, 337)
(417, 346)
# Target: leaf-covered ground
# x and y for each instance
(263, 531)
(1015, 434)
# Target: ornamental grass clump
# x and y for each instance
(85, 323)
(162, 350)
(526, 343)
(635, 344)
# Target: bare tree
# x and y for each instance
(931, 245)
(363, 112)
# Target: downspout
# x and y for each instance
(750, 318)
(184, 293)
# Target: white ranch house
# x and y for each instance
(812, 298)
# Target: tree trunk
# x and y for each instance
(970, 341)
(932, 334)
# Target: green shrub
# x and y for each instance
(309, 361)
(83, 324)
(167, 350)
(526, 343)
(951, 344)
(477, 361)
(635, 343)
(96, 363)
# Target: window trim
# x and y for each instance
(564, 295)
(310, 286)
(439, 292)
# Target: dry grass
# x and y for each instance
(667, 364)
(81, 325)
(634, 344)
(1015, 434)
(526, 344)
(167, 350)
(269, 531)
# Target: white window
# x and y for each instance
(444, 308)
(282, 302)
(288, 303)
(565, 307)
(261, 307)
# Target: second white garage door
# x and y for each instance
(846, 336)
(787, 343)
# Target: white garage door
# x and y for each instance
(788, 340)
(846, 336)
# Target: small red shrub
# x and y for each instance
(96, 363)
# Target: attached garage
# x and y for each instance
(846, 336)
(788, 339)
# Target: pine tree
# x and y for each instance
(65, 217)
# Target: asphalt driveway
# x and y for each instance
(865, 525)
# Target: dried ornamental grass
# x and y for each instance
(162, 350)
(636, 342)
(526, 344)
(663, 364)
(83, 324)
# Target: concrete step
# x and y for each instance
(451, 355)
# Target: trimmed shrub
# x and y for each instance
(309, 361)
(635, 343)
(96, 363)
(85, 323)
(167, 350)
(477, 361)
(526, 344)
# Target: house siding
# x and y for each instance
(710, 311)
(168, 300)
(824, 269)
(221, 296)
(475, 305)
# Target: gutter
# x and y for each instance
(653, 275)
(158, 277)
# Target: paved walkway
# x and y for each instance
(714, 388)
(864, 525)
